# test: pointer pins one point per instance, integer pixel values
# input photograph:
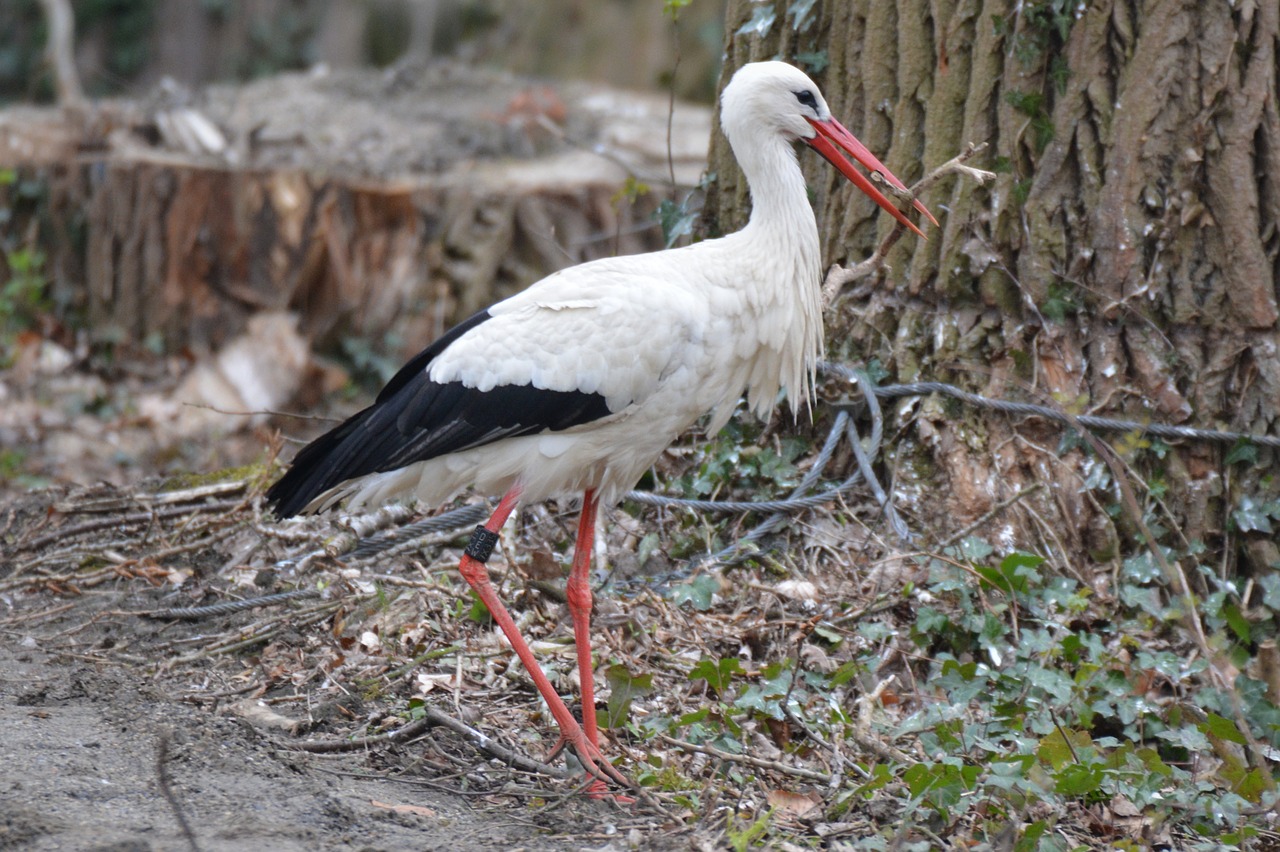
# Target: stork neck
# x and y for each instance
(782, 230)
(779, 201)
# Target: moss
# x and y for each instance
(998, 290)
(255, 473)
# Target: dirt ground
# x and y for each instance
(100, 712)
(90, 692)
(81, 747)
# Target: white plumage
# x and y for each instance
(664, 338)
(581, 381)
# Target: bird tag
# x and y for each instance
(481, 545)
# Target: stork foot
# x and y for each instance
(596, 766)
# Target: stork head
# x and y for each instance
(780, 99)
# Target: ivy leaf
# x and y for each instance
(801, 14)
(675, 220)
(944, 783)
(813, 60)
(1150, 759)
(630, 191)
(478, 612)
(1222, 728)
(1018, 563)
(1061, 748)
(1253, 516)
(844, 674)
(1189, 738)
(975, 549)
(828, 634)
(674, 7)
(1243, 451)
(1142, 568)
(1078, 779)
(1030, 840)
(1251, 785)
(1237, 622)
(699, 591)
(1270, 584)
(624, 688)
(717, 674)
(766, 696)
(693, 718)
(930, 620)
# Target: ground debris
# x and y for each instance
(776, 697)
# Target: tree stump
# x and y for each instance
(380, 206)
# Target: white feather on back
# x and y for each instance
(614, 327)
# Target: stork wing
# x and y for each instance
(548, 359)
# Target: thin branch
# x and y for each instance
(417, 727)
(166, 789)
(994, 511)
(747, 760)
(839, 277)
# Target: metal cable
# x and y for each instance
(1102, 424)
(864, 457)
(452, 521)
(193, 612)
(742, 548)
(743, 506)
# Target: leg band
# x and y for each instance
(480, 548)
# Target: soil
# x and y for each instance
(81, 752)
(101, 708)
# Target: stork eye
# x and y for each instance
(806, 98)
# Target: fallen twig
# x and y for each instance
(115, 521)
(166, 789)
(994, 511)
(747, 760)
(432, 719)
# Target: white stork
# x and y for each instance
(581, 381)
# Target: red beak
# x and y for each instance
(833, 139)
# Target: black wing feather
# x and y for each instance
(415, 419)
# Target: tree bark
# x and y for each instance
(1125, 262)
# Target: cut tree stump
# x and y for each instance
(383, 206)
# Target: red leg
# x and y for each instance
(473, 570)
(579, 594)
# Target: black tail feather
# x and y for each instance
(415, 419)
(316, 468)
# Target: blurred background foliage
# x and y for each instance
(125, 47)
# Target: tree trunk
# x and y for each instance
(1124, 263)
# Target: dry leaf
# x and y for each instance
(427, 682)
(797, 590)
(795, 804)
(543, 566)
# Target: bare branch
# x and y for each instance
(838, 277)
(748, 760)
